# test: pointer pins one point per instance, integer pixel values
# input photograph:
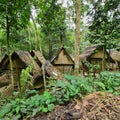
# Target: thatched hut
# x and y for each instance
(116, 57)
(50, 70)
(63, 61)
(94, 55)
(20, 60)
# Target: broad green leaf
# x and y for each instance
(4, 110)
(50, 107)
(44, 109)
(100, 84)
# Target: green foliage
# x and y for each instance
(75, 87)
(65, 91)
(91, 67)
(51, 16)
(25, 78)
(5, 100)
(104, 29)
(60, 92)
(13, 18)
(21, 107)
(17, 12)
(110, 82)
(99, 85)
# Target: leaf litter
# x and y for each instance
(95, 106)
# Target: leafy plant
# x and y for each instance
(22, 107)
(60, 93)
(91, 67)
(111, 81)
(4, 100)
(65, 91)
(25, 75)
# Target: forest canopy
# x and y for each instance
(48, 25)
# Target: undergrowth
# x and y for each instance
(23, 107)
(58, 92)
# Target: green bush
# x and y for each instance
(110, 81)
(22, 107)
(75, 87)
(60, 92)
(65, 91)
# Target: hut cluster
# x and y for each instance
(60, 64)
(95, 55)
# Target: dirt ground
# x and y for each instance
(95, 106)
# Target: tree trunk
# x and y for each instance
(38, 47)
(61, 40)
(104, 59)
(0, 52)
(29, 37)
(8, 49)
(109, 67)
(77, 35)
(50, 48)
(37, 38)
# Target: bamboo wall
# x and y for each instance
(99, 54)
(63, 59)
(64, 63)
(65, 69)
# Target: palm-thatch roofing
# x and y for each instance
(115, 55)
(4, 61)
(50, 70)
(89, 51)
(62, 61)
(25, 58)
(22, 59)
(38, 57)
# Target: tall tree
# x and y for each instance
(77, 34)
(105, 24)
(14, 16)
(51, 18)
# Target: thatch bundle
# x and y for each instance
(88, 52)
(116, 55)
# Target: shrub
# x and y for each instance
(22, 107)
(65, 91)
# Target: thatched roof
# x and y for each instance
(23, 56)
(39, 56)
(50, 70)
(26, 58)
(4, 61)
(88, 52)
(115, 55)
(65, 53)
